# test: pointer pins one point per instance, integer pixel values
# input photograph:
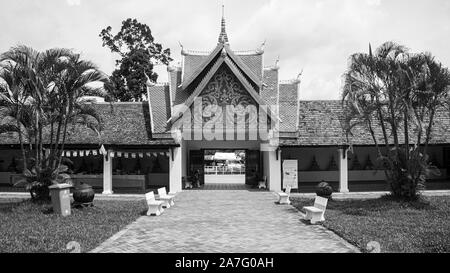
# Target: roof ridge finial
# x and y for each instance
(223, 37)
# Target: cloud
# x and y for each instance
(373, 2)
(73, 2)
(318, 36)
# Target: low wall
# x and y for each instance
(226, 178)
(157, 179)
(359, 176)
(361, 181)
(331, 176)
(125, 181)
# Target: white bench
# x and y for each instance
(167, 199)
(154, 206)
(283, 197)
(316, 213)
(263, 183)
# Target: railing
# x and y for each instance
(221, 170)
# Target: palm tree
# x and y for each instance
(399, 93)
(42, 94)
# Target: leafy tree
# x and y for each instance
(41, 95)
(138, 53)
(396, 95)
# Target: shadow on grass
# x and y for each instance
(399, 226)
(382, 204)
(360, 207)
(144, 212)
(8, 206)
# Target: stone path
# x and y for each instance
(225, 221)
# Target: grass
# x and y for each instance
(30, 227)
(401, 227)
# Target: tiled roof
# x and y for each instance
(192, 63)
(320, 124)
(288, 91)
(243, 67)
(223, 60)
(196, 66)
(288, 107)
(269, 91)
(440, 134)
(160, 102)
(253, 62)
(288, 116)
(123, 124)
(175, 81)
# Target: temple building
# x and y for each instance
(225, 118)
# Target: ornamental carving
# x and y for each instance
(222, 90)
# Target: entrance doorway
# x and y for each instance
(224, 166)
(243, 169)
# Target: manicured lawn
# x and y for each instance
(29, 227)
(422, 226)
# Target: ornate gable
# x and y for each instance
(225, 89)
(225, 101)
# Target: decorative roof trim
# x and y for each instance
(152, 83)
(197, 90)
(291, 81)
(248, 52)
(233, 56)
(223, 37)
(149, 85)
(186, 52)
(209, 75)
(272, 67)
(258, 51)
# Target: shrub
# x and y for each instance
(324, 189)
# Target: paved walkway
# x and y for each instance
(225, 221)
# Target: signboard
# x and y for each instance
(290, 173)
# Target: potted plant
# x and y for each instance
(324, 189)
(83, 193)
(37, 180)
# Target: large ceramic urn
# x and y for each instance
(83, 193)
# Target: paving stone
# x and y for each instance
(225, 221)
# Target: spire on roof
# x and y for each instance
(223, 38)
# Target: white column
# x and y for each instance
(184, 155)
(107, 173)
(175, 169)
(272, 158)
(343, 170)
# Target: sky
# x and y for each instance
(316, 36)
